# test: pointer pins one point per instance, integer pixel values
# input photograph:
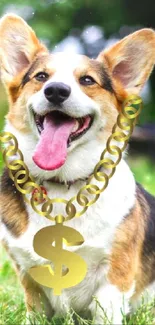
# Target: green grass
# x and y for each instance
(13, 312)
(144, 172)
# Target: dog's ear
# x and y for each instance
(18, 46)
(131, 60)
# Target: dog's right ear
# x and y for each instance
(131, 60)
(18, 46)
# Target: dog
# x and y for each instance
(62, 108)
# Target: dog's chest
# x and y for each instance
(98, 235)
(96, 231)
(97, 225)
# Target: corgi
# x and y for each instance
(62, 108)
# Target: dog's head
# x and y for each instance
(63, 107)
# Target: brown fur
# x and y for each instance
(35, 298)
(130, 260)
(127, 249)
(13, 212)
(103, 88)
(128, 67)
(19, 94)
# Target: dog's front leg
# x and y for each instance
(109, 305)
(36, 301)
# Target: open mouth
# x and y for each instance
(57, 131)
(81, 125)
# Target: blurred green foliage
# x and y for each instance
(54, 19)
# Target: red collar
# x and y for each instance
(57, 181)
(35, 192)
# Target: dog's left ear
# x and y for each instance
(131, 60)
(18, 46)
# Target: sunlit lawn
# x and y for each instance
(13, 312)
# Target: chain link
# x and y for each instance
(103, 171)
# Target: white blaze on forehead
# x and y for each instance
(64, 65)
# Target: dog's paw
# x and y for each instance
(31, 319)
(35, 318)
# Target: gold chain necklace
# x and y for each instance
(48, 242)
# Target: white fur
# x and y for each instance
(147, 296)
(97, 226)
(113, 302)
(99, 223)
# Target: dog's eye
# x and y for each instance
(87, 81)
(41, 76)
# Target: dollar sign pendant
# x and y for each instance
(48, 243)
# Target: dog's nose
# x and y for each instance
(57, 92)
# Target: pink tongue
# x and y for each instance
(51, 151)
